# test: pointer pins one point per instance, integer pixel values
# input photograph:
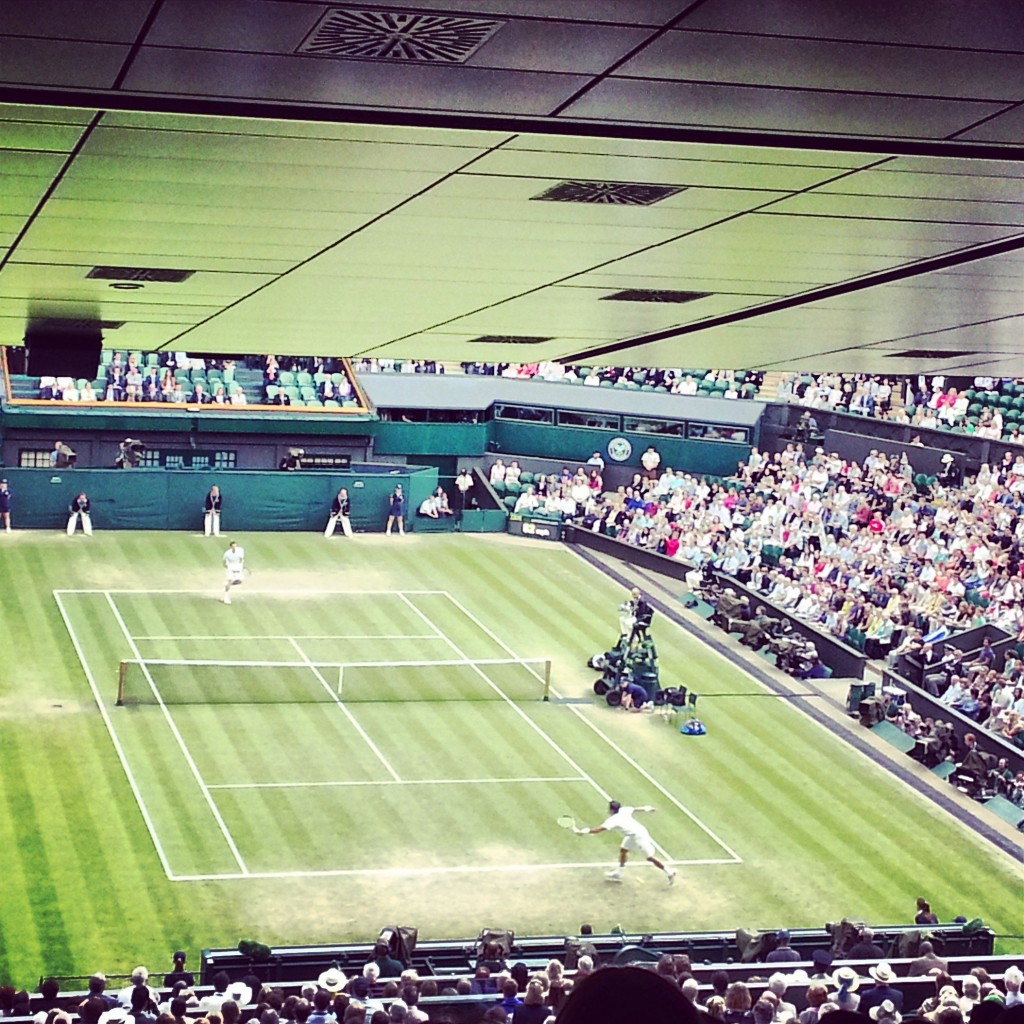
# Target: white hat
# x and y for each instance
(846, 977)
(886, 1009)
(332, 979)
(240, 992)
(883, 973)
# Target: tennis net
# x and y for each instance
(174, 682)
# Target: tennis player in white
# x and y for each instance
(634, 837)
(234, 568)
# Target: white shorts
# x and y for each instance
(234, 575)
(644, 845)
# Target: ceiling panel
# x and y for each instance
(527, 44)
(349, 83)
(911, 22)
(1005, 127)
(779, 110)
(115, 21)
(830, 66)
(55, 62)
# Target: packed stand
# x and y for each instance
(306, 381)
(991, 408)
(169, 377)
(584, 984)
(873, 554)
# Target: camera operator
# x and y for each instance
(62, 457)
(129, 453)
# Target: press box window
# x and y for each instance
(593, 420)
(529, 413)
(670, 428)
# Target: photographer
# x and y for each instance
(62, 457)
(129, 453)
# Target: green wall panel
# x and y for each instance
(153, 499)
(577, 444)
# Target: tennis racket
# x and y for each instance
(566, 821)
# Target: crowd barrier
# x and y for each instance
(843, 660)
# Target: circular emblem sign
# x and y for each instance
(619, 449)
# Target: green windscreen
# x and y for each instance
(187, 682)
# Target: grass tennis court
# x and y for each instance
(360, 740)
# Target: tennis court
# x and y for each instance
(400, 704)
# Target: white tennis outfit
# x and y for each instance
(634, 835)
(234, 564)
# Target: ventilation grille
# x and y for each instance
(654, 295)
(929, 353)
(616, 193)
(77, 325)
(507, 339)
(398, 36)
(153, 274)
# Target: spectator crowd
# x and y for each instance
(866, 551)
(387, 991)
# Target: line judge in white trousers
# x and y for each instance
(211, 512)
(80, 509)
(341, 509)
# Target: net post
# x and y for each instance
(122, 674)
(547, 680)
(341, 677)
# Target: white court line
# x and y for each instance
(611, 743)
(433, 872)
(121, 756)
(348, 714)
(272, 592)
(308, 663)
(394, 782)
(305, 636)
(181, 742)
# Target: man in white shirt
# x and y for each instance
(234, 568)
(634, 837)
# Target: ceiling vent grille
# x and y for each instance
(507, 339)
(930, 353)
(654, 295)
(614, 193)
(398, 36)
(77, 324)
(160, 275)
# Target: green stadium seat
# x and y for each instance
(308, 392)
(272, 392)
(319, 377)
(292, 392)
(106, 357)
(509, 501)
(499, 486)
(229, 373)
(337, 378)
(152, 359)
(231, 387)
(298, 403)
(304, 379)
(286, 378)
(515, 487)
(331, 403)
(526, 478)
(350, 403)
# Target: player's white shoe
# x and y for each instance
(671, 875)
(227, 599)
(614, 876)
